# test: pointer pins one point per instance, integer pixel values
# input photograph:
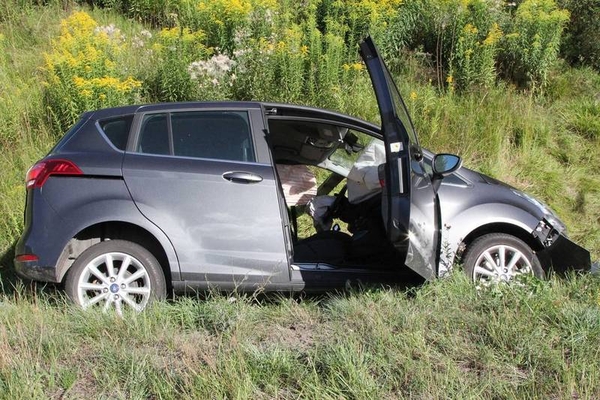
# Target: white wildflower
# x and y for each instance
(213, 72)
(137, 42)
(111, 31)
(241, 36)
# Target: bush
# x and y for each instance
(173, 51)
(294, 63)
(473, 58)
(531, 45)
(581, 45)
(83, 70)
(460, 38)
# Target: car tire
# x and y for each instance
(499, 257)
(135, 280)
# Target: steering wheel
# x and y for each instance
(335, 206)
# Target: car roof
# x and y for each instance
(123, 110)
(272, 109)
(292, 110)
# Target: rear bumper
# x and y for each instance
(42, 238)
(564, 255)
(31, 270)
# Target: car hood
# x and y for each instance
(488, 189)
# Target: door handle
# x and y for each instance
(242, 177)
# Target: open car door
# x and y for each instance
(410, 209)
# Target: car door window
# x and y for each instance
(215, 135)
(220, 135)
(154, 135)
(400, 109)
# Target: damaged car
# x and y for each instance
(136, 202)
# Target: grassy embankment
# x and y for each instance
(445, 340)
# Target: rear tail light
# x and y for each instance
(26, 258)
(41, 171)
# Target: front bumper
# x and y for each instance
(564, 255)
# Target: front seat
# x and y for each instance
(327, 246)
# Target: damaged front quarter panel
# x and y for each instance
(560, 254)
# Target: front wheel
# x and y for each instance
(499, 257)
(115, 274)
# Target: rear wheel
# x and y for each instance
(115, 274)
(499, 257)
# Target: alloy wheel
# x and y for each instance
(500, 263)
(114, 280)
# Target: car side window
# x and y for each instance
(209, 134)
(117, 130)
(221, 135)
(154, 135)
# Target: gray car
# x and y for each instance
(138, 201)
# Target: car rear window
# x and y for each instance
(221, 135)
(117, 130)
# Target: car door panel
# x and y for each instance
(409, 201)
(221, 216)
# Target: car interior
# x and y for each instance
(354, 233)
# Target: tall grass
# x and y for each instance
(446, 340)
(24, 133)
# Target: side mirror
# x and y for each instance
(445, 164)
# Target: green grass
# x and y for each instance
(442, 340)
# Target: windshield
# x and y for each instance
(345, 158)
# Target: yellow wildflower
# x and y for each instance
(449, 79)
(493, 36)
(469, 28)
(357, 66)
(78, 81)
(237, 7)
(304, 50)
(413, 96)
(77, 24)
(346, 67)
(169, 33)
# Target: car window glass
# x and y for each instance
(117, 130)
(345, 157)
(400, 109)
(154, 135)
(209, 134)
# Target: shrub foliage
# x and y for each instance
(84, 70)
(468, 43)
